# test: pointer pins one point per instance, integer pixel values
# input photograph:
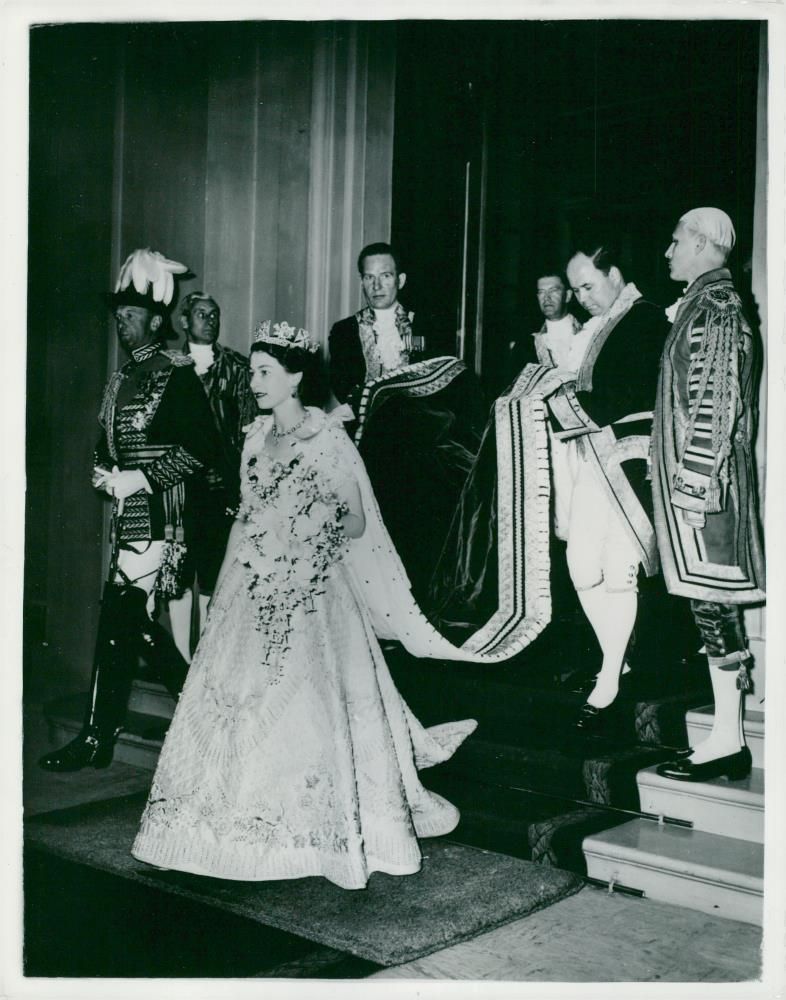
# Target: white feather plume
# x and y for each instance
(149, 270)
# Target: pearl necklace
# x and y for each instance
(280, 435)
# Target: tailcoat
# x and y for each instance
(609, 408)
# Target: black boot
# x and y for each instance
(115, 657)
(91, 748)
(163, 657)
(153, 642)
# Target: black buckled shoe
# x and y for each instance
(734, 766)
(592, 721)
(88, 749)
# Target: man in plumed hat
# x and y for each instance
(703, 477)
(158, 439)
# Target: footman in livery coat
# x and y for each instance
(703, 477)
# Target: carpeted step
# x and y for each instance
(558, 840)
(492, 817)
(459, 892)
(512, 798)
(541, 827)
(589, 770)
(519, 706)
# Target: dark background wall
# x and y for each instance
(585, 124)
(72, 95)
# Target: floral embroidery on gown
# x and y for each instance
(291, 753)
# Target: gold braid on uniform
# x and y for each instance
(716, 364)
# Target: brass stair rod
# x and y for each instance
(672, 821)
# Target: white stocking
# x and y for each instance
(180, 619)
(612, 615)
(726, 736)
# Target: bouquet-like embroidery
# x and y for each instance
(292, 537)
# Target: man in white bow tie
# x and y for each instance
(703, 478)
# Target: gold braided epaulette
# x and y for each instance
(721, 298)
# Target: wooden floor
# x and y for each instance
(596, 937)
(592, 937)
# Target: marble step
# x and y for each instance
(149, 698)
(718, 806)
(701, 871)
(138, 744)
(699, 724)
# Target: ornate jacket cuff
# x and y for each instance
(171, 468)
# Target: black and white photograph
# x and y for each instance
(395, 402)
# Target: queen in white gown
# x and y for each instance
(291, 753)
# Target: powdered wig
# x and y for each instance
(191, 300)
(714, 224)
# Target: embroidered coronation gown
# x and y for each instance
(291, 753)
